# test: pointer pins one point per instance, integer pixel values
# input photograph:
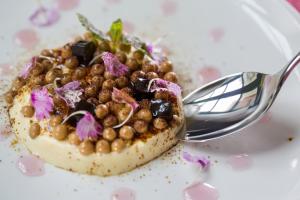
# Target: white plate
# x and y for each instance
(233, 36)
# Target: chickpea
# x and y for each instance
(123, 114)
(127, 90)
(66, 78)
(176, 120)
(122, 81)
(86, 147)
(126, 132)
(93, 101)
(104, 46)
(72, 62)
(145, 104)
(17, 84)
(116, 107)
(138, 54)
(125, 47)
(79, 73)
(55, 120)
(37, 69)
(105, 96)
(88, 36)
(46, 52)
(137, 74)
(103, 146)
(151, 75)
(52, 75)
(97, 69)
(97, 81)
(108, 75)
(160, 123)
(34, 130)
(121, 57)
(171, 76)
(27, 111)
(110, 121)
(60, 132)
(140, 126)
(66, 52)
(101, 111)
(109, 134)
(117, 145)
(73, 138)
(108, 84)
(162, 95)
(165, 67)
(144, 114)
(132, 64)
(90, 91)
(39, 80)
(9, 97)
(46, 64)
(149, 67)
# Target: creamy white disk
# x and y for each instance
(67, 156)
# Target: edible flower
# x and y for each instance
(113, 65)
(122, 97)
(70, 93)
(88, 127)
(199, 161)
(27, 67)
(43, 17)
(158, 84)
(42, 103)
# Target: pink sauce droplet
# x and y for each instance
(123, 194)
(67, 4)
(31, 165)
(200, 191)
(295, 4)
(128, 26)
(208, 74)
(26, 38)
(240, 162)
(6, 69)
(113, 1)
(217, 34)
(168, 7)
(266, 118)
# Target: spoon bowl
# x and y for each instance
(231, 103)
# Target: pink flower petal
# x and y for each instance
(199, 161)
(67, 4)
(122, 97)
(163, 85)
(27, 67)
(295, 4)
(88, 127)
(70, 92)
(42, 103)
(43, 17)
(113, 65)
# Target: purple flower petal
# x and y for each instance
(113, 65)
(122, 97)
(43, 17)
(88, 127)
(199, 161)
(27, 67)
(70, 92)
(163, 85)
(42, 103)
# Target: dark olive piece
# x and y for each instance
(161, 108)
(84, 51)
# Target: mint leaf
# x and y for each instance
(115, 31)
(91, 28)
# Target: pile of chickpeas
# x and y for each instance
(97, 84)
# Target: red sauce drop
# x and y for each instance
(128, 26)
(240, 162)
(208, 74)
(30, 165)
(113, 1)
(168, 7)
(26, 38)
(123, 194)
(200, 191)
(67, 4)
(295, 3)
(217, 34)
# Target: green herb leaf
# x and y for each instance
(91, 28)
(137, 43)
(115, 31)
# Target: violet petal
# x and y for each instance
(113, 65)
(163, 85)
(88, 127)
(43, 17)
(70, 93)
(42, 103)
(199, 161)
(27, 67)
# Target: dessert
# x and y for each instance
(103, 104)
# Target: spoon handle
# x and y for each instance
(285, 72)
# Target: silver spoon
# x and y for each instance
(231, 103)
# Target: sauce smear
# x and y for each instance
(168, 7)
(200, 191)
(208, 74)
(240, 162)
(31, 165)
(26, 38)
(67, 4)
(123, 194)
